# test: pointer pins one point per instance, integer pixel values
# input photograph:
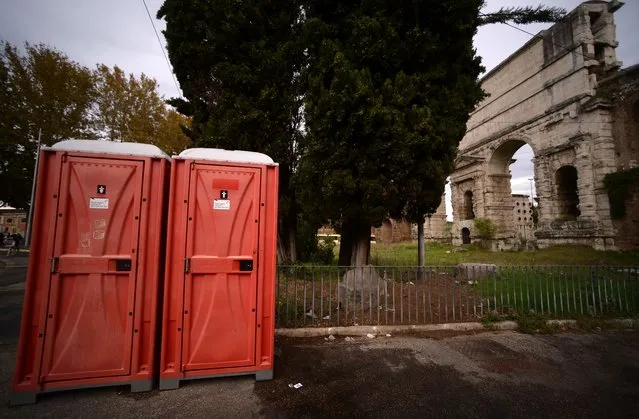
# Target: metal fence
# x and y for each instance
(325, 296)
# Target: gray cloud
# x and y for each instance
(117, 32)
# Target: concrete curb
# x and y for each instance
(376, 330)
(306, 332)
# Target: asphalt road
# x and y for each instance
(12, 269)
(491, 375)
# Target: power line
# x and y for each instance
(542, 38)
(166, 58)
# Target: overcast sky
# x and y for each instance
(118, 32)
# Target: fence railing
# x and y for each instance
(325, 296)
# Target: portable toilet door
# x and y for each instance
(219, 295)
(91, 297)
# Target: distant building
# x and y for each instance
(522, 216)
(13, 221)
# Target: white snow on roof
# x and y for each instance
(232, 156)
(110, 147)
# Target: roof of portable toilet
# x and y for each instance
(110, 147)
(230, 156)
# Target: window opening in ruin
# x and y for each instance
(465, 232)
(599, 52)
(469, 213)
(567, 192)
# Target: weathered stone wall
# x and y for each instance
(627, 228)
(393, 231)
(622, 91)
(435, 226)
(542, 96)
(522, 217)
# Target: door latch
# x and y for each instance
(54, 264)
(187, 265)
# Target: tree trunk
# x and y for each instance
(281, 248)
(286, 238)
(345, 248)
(420, 243)
(361, 246)
(292, 241)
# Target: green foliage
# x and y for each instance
(309, 248)
(388, 92)
(238, 64)
(325, 252)
(524, 15)
(306, 241)
(485, 228)
(43, 89)
(130, 108)
(619, 186)
(533, 323)
(40, 90)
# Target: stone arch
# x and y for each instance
(499, 200)
(469, 205)
(567, 192)
(465, 234)
(502, 153)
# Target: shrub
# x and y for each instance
(485, 229)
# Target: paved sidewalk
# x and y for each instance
(489, 375)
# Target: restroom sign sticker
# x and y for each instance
(99, 203)
(222, 204)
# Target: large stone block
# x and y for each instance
(473, 271)
(361, 283)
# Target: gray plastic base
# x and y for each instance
(174, 383)
(264, 375)
(23, 398)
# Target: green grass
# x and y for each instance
(436, 254)
(562, 291)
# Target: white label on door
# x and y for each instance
(222, 204)
(99, 203)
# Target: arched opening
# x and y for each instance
(511, 181)
(469, 213)
(567, 192)
(465, 233)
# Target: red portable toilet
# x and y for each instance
(219, 293)
(91, 298)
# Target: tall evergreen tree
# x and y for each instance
(238, 63)
(390, 86)
(388, 83)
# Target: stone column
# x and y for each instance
(544, 187)
(585, 179)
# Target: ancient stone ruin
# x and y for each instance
(548, 94)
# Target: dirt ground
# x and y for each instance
(406, 300)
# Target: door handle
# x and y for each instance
(246, 265)
(123, 265)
